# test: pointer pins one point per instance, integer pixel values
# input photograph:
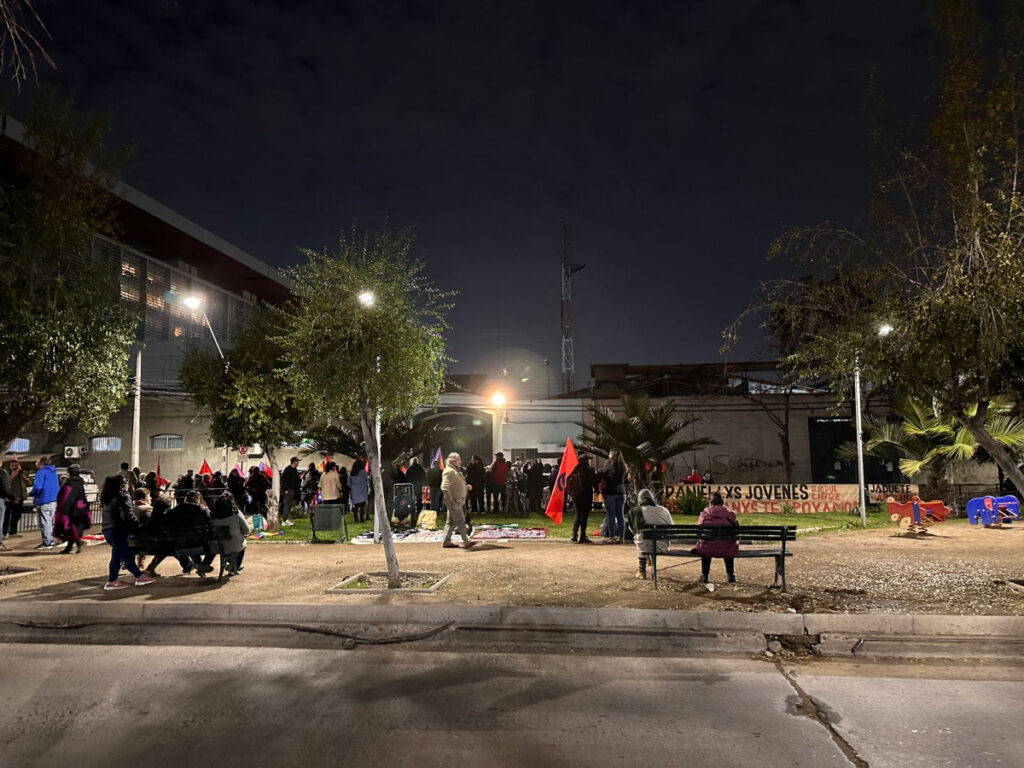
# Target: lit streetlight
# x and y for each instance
(884, 330)
(366, 298)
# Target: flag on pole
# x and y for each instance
(265, 469)
(161, 481)
(205, 469)
(438, 458)
(238, 468)
(557, 501)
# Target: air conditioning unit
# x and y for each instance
(72, 451)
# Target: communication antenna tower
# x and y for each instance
(568, 270)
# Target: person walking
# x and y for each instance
(118, 523)
(71, 518)
(582, 484)
(455, 488)
(44, 494)
(717, 514)
(648, 512)
(290, 489)
(613, 474)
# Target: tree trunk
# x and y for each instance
(11, 426)
(275, 489)
(786, 456)
(995, 449)
(368, 422)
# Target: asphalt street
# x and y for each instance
(103, 705)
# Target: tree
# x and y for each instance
(381, 324)
(940, 260)
(247, 396)
(399, 439)
(64, 336)
(924, 442)
(645, 435)
(20, 30)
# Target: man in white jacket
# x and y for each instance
(455, 488)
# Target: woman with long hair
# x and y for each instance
(118, 523)
(613, 475)
(359, 487)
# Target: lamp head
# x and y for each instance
(192, 302)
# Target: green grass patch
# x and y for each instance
(827, 522)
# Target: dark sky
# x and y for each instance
(675, 138)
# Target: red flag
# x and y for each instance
(205, 469)
(265, 469)
(557, 500)
(161, 481)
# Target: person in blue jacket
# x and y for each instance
(44, 495)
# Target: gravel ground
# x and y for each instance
(958, 570)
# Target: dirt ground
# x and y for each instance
(958, 570)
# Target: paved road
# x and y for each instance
(151, 706)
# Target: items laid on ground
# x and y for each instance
(993, 511)
(480, 533)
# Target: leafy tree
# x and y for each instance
(64, 337)
(247, 396)
(381, 324)
(645, 435)
(940, 260)
(399, 439)
(925, 442)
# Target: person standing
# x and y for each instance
(694, 478)
(5, 494)
(236, 487)
(290, 488)
(455, 488)
(649, 512)
(359, 489)
(500, 468)
(475, 474)
(582, 483)
(434, 483)
(118, 523)
(44, 494)
(16, 501)
(717, 514)
(72, 515)
(330, 484)
(129, 476)
(535, 485)
(613, 473)
(416, 475)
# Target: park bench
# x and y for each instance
(689, 535)
(328, 517)
(189, 541)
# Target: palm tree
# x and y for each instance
(926, 442)
(645, 435)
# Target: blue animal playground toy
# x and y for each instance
(993, 511)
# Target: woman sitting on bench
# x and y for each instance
(717, 514)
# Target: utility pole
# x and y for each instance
(568, 270)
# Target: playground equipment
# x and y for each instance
(993, 511)
(916, 516)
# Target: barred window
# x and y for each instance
(18, 445)
(105, 443)
(165, 443)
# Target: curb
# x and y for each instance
(862, 636)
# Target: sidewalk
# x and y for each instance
(866, 589)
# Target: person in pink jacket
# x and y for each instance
(717, 514)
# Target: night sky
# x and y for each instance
(675, 138)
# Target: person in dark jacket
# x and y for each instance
(188, 515)
(257, 486)
(236, 487)
(118, 523)
(434, 483)
(535, 485)
(5, 496)
(582, 484)
(613, 473)
(416, 475)
(16, 501)
(290, 489)
(475, 476)
(717, 514)
(72, 517)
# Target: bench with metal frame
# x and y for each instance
(193, 541)
(742, 535)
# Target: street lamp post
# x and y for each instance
(193, 303)
(883, 331)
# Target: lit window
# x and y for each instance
(19, 445)
(165, 443)
(105, 443)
